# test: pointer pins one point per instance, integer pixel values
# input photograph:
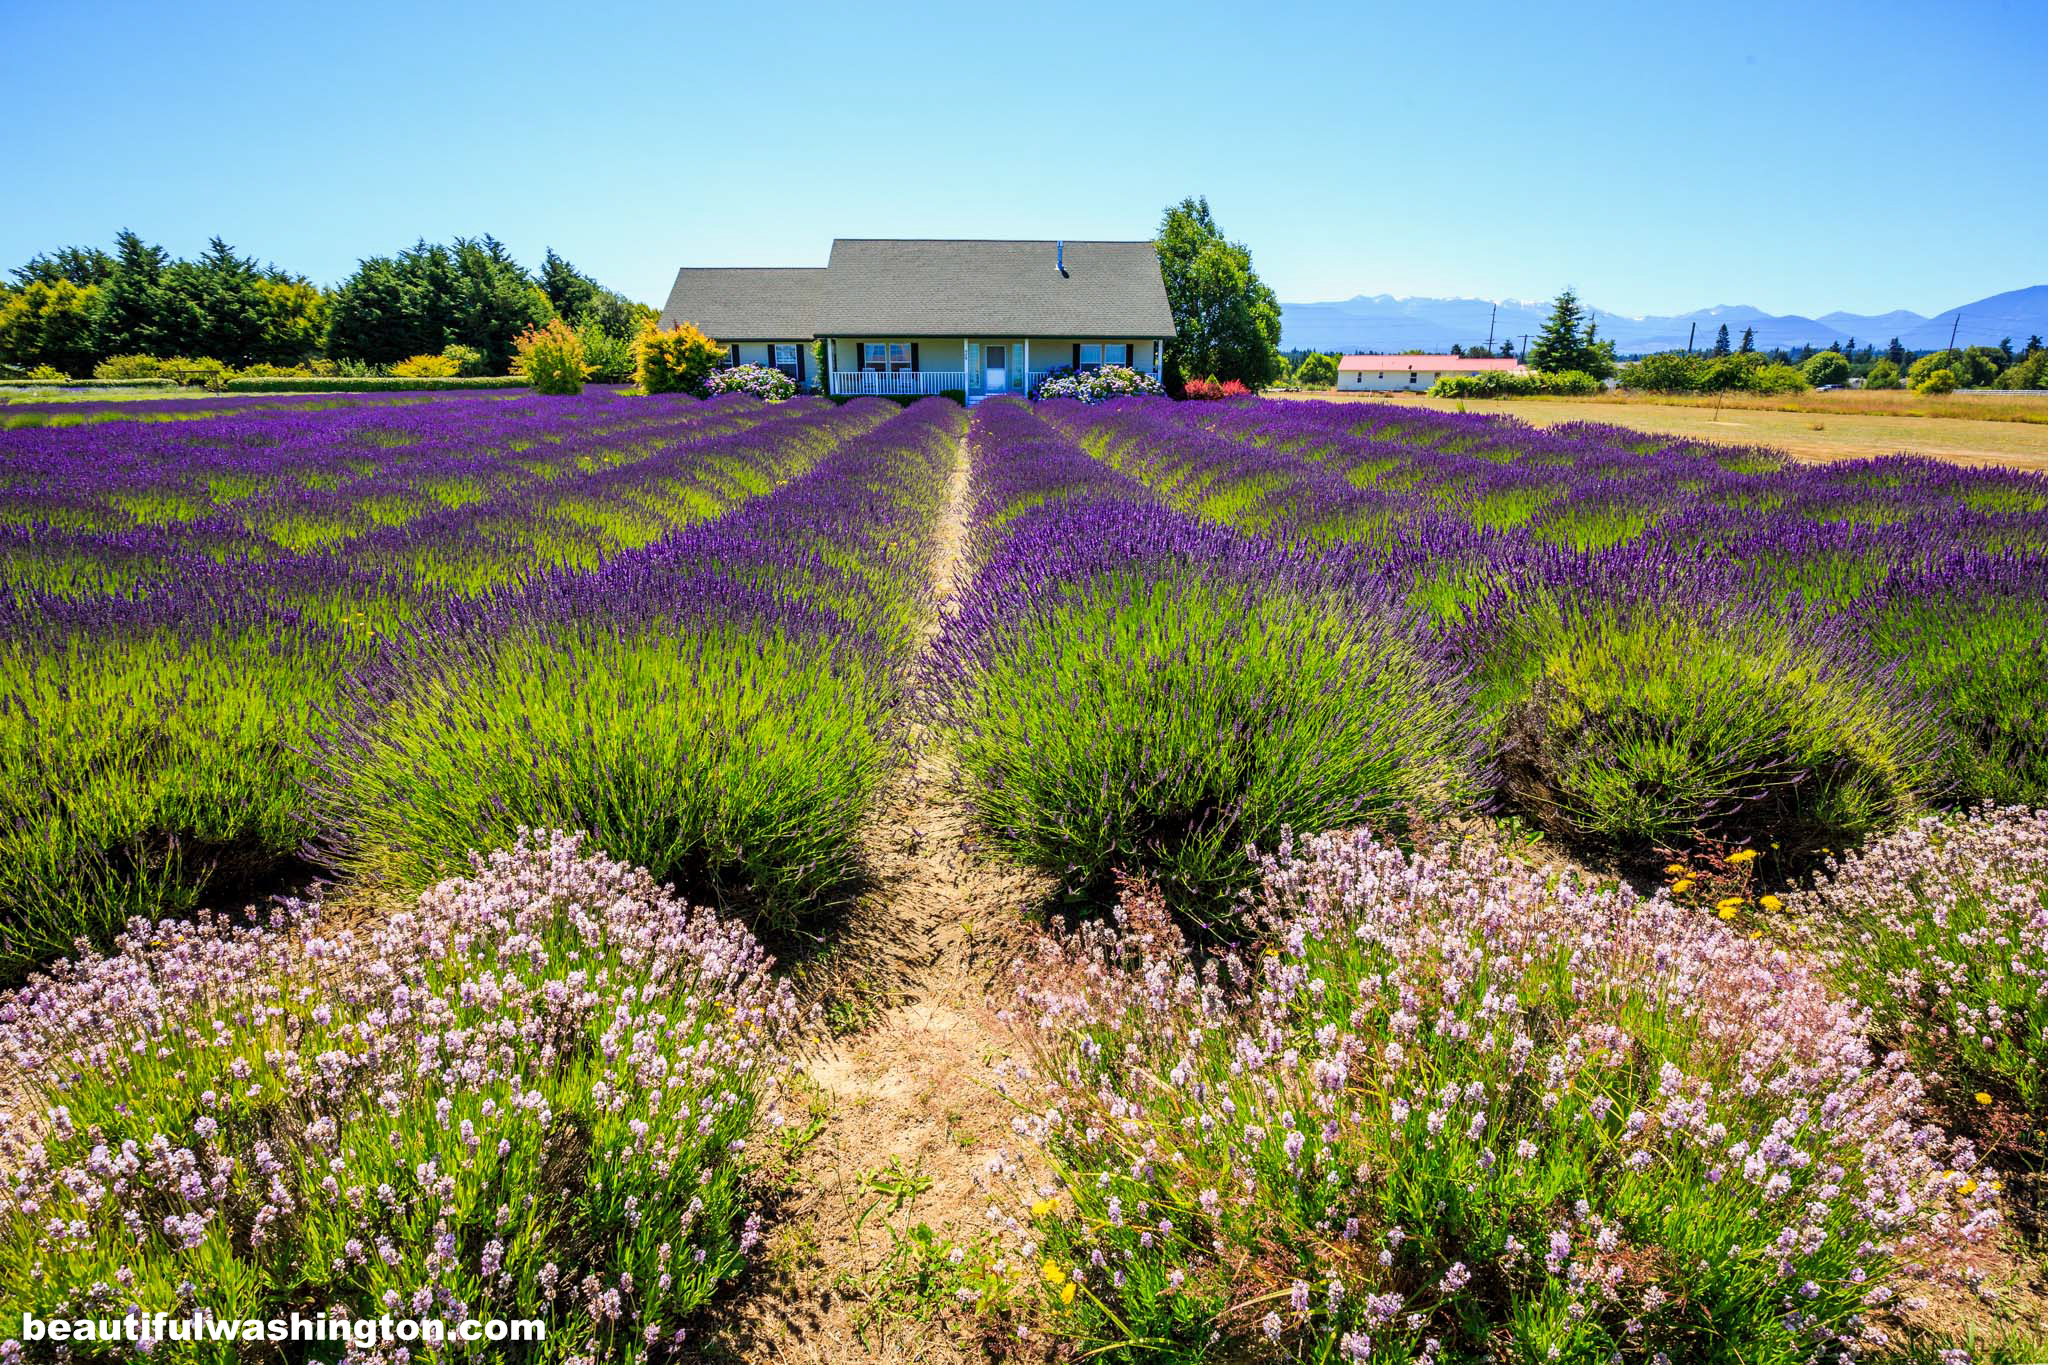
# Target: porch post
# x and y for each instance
(832, 365)
(1027, 368)
(966, 384)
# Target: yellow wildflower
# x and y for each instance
(1681, 886)
(1729, 903)
(1967, 1187)
(1052, 1272)
(1983, 1097)
(1041, 1208)
(1771, 903)
(1727, 912)
(1067, 1292)
(1747, 855)
(1675, 870)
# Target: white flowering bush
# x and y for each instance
(1096, 385)
(1463, 1110)
(1941, 929)
(767, 384)
(528, 1096)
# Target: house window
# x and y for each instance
(1105, 353)
(886, 357)
(785, 358)
(1411, 376)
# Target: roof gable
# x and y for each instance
(747, 303)
(952, 287)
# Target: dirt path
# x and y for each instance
(904, 1106)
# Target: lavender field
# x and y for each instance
(1494, 893)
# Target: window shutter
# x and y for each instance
(1077, 355)
(799, 364)
(913, 357)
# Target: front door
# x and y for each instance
(998, 372)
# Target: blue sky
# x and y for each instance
(1659, 157)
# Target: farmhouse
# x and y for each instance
(1386, 373)
(899, 316)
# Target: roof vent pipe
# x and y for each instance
(1059, 258)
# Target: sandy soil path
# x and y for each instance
(905, 1101)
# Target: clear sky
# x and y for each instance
(1659, 156)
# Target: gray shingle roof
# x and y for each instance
(946, 287)
(747, 304)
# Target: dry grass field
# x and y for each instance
(2003, 430)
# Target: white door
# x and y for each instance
(998, 373)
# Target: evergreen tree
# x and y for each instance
(1562, 346)
(214, 306)
(132, 302)
(2033, 344)
(432, 296)
(1226, 321)
(1507, 350)
(1559, 345)
(1748, 341)
(1721, 341)
(1896, 354)
(570, 290)
(79, 265)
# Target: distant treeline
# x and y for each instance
(71, 310)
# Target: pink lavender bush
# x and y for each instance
(1461, 1109)
(529, 1096)
(1942, 930)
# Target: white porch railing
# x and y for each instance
(901, 382)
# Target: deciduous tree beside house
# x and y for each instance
(1226, 321)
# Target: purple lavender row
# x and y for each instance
(717, 707)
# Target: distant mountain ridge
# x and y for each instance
(1382, 322)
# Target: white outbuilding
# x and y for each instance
(1412, 373)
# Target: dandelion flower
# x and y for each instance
(1052, 1272)
(1983, 1097)
(1067, 1292)
(1747, 855)
(1675, 870)
(1771, 903)
(1041, 1208)
(1728, 903)
(1728, 911)
(1967, 1187)
(1681, 886)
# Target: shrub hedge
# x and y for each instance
(1507, 384)
(367, 385)
(22, 383)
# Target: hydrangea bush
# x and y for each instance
(1097, 384)
(768, 385)
(1942, 931)
(529, 1096)
(1462, 1109)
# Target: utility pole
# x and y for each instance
(1952, 335)
(1690, 333)
(1489, 328)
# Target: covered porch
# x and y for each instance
(973, 367)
